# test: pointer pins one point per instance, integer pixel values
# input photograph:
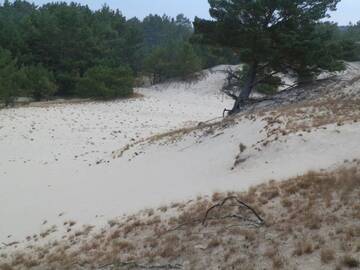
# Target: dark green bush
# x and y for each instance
(172, 61)
(105, 83)
(39, 82)
(10, 78)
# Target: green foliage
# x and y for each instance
(352, 32)
(350, 50)
(268, 85)
(60, 43)
(39, 82)
(175, 60)
(273, 36)
(158, 31)
(106, 83)
(310, 51)
(10, 78)
(61, 49)
(350, 41)
(32, 81)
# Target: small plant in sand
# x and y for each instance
(327, 255)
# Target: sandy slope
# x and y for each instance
(56, 163)
(49, 155)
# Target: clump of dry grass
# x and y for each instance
(303, 247)
(71, 223)
(270, 194)
(350, 261)
(214, 243)
(112, 223)
(327, 255)
(278, 262)
(217, 196)
(239, 158)
(6, 266)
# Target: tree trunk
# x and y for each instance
(246, 90)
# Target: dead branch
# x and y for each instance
(10, 244)
(178, 227)
(259, 221)
(237, 203)
(135, 265)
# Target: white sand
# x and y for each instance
(48, 157)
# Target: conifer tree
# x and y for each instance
(271, 37)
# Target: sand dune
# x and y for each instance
(57, 165)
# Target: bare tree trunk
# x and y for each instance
(246, 90)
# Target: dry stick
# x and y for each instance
(198, 221)
(10, 244)
(182, 225)
(239, 202)
(141, 266)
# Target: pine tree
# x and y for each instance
(10, 78)
(271, 37)
(38, 83)
(102, 82)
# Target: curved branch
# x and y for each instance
(240, 203)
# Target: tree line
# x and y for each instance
(69, 50)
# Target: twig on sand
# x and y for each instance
(10, 244)
(135, 265)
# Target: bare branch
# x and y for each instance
(135, 265)
(240, 203)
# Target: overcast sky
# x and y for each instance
(348, 10)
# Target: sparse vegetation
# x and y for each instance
(157, 240)
(350, 261)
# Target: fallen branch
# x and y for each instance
(10, 244)
(182, 225)
(240, 204)
(135, 265)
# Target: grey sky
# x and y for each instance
(348, 10)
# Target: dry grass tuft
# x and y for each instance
(350, 261)
(214, 243)
(278, 262)
(6, 266)
(327, 255)
(303, 248)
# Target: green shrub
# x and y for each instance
(172, 61)
(10, 78)
(105, 83)
(39, 82)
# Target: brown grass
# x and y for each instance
(303, 248)
(297, 207)
(278, 262)
(214, 243)
(350, 261)
(327, 255)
